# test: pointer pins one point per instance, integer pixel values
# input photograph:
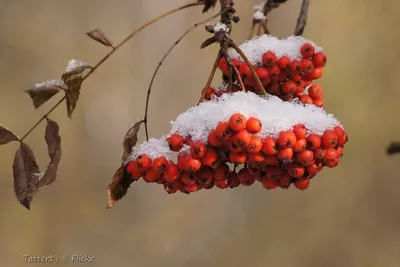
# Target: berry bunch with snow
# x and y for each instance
(286, 68)
(238, 139)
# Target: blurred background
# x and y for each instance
(350, 216)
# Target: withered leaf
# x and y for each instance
(26, 175)
(99, 36)
(118, 186)
(42, 92)
(130, 139)
(208, 42)
(53, 141)
(6, 136)
(208, 4)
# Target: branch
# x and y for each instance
(393, 148)
(109, 54)
(260, 15)
(302, 20)
(146, 110)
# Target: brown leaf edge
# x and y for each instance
(73, 79)
(119, 186)
(53, 141)
(130, 139)
(44, 91)
(7, 136)
(26, 175)
(99, 36)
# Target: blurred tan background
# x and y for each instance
(349, 217)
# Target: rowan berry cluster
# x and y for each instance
(239, 139)
(286, 68)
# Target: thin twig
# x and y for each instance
(259, 84)
(302, 20)
(210, 78)
(238, 76)
(393, 148)
(130, 36)
(162, 61)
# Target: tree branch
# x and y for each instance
(302, 20)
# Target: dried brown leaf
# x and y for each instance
(53, 141)
(208, 4)
(42, 92)
(6, 136)
(99, 36)
(118, 186)
(130, 139)
(26, 175)
(73, 78)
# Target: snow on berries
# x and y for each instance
(243, 139)
(286, 68)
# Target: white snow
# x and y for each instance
(153, 148)
(275, 115)
(74, 64)
(220, 26)
(57, 83)
(255, 48)
(259, 15)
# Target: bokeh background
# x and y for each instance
(350, 216)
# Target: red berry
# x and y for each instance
(319, 154)
(268, 183)
(286, 139)
(159, 164)
(213, 139)
(257, 157)
(237, 157)
(198, 150)
(313, 141)
(134, 170)
(306, 65)
(315, 91)
(284, 62)
(233, 179)
(274, 72)
(221, 171)
(210, 91)
(223, 131)
(143, 162)
(245, 178)
(188, 178)
(333, 163)
(300, 145)
(263, 75)
(285, 181)
(255, 144)
(172, 172)
(305, 157)
(173, 187)
(224, 183)
(319, 60)
(285, 154)
(191, 164)
(331, 154)
(339, 131)
(176, 142)
(306, 99)
(314, 74)
(314, 168)
(342, 141)
(253, 125)
(192, 187)
(205, 176)
(307, 50)
(245, 71)
(319, 102)
(295, 67)
(271, 160)
(289, 87)
(300, 131)
(151, 176)
(269, 58)
(241, 139)
(296, 170)
(339, 151)
(237, 122)
(329, 139)
(270, 146)
(302, 184)
(273, 172)
(210, 158)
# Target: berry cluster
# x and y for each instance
(217, 146)
(286, 72)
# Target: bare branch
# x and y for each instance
(393, 148)
(302, 20)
